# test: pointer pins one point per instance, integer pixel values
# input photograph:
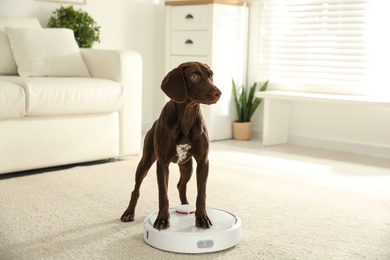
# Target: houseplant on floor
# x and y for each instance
(246, 105)
(86, 31)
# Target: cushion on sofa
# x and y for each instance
(61, 96)
(46, 52)
(7, 63)
(12, 100)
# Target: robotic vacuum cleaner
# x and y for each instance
(184, 237)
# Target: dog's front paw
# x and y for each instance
(127, 216)
(162, 222)
(203, 221)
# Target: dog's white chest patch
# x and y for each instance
(182, 150)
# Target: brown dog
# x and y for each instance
(178, 135)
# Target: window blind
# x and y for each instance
(331, 46)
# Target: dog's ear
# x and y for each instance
(174, 85)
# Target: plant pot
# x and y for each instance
(242, 130)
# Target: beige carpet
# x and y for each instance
(291, 205)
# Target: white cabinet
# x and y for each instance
(213, 32)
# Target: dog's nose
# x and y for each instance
(216, 93)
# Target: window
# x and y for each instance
(337, 46)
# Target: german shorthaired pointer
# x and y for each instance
(176, 136)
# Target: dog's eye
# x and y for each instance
(195, 77)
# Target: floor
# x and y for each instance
(294, 202)
(300, 158)
(255, 147)
(368, 172)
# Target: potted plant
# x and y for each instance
(246, 105)
(86, 31)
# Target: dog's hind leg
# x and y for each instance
(148, 158)
(185, 176)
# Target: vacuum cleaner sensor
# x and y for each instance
(184, 237)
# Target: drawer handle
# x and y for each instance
(189, 41)
(189, 16)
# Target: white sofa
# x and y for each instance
(57, 120)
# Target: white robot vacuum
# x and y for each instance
(184, 237)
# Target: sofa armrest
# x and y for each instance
(124, 67)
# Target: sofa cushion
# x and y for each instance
(69, 96)
(7, 63)
(46, 52)
(12, 100)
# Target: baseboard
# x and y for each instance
(339, 145)
(342, 145)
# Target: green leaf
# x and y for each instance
(264, 87)
(257, 101)
(252, 92)
(244, 109)
(86, 30)
(250, 100)
(234, 90)
(254, 106)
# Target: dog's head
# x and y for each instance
(191, 80)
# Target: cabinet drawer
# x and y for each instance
(194, 17)
(189, 43)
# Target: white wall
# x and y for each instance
(125, 24)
